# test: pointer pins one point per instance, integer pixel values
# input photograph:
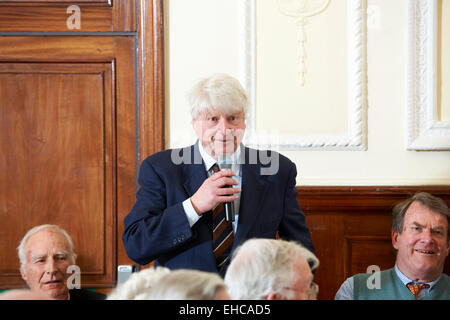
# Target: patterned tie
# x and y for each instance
(223, 235)
(416, 287)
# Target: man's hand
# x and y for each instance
(211, 192)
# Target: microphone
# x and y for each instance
(225, 161)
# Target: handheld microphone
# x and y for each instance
(225, 162)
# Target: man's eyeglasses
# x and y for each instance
(312, 293)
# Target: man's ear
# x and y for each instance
(197, 126)
(23, 273)
(394, 236)
(275, 296)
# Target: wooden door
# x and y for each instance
(77, 113)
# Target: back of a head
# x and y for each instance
(23, 294)
(262, 266)
(219, 91)
(138, 284)
(163, 284)
(184, 284)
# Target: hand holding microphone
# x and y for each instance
(213, 191)
(225, 163)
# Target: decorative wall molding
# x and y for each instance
(356, 136)
(301, 11)
(425, 131)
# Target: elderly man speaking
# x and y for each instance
(196, 204)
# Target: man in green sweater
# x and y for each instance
(420, 235)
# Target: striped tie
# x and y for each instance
(223, 234)
(416, 287)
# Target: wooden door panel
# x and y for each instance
(52, 15)
(57, 148)
(53, 2)
(60, 150)
(363, 252)
(78, 112)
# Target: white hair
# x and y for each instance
(163, 284)
(34, 230)
(262, 266)
(220, 92)
(137, 284)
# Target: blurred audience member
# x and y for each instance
(23, 294)
(162, 284)
(273, 270)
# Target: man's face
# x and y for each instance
(219, 133)
(47, 256)
(423, 245)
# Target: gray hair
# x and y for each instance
(219, 91)
(137, 285)
(34, 230)
(431, 202)
(184, 284)
(262, 266)
(163, 284)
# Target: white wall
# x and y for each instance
(202, 37)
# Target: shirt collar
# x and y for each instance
(407, 280)
(210, 161)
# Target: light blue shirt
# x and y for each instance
(346, 290)
(406, 280)
(209, 161)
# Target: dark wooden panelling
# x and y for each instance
(351, 228)
(151, 75)
(60, 126)
(362, 252)
(68, 148)
(54, 2)
(51, 16)
(130, 84)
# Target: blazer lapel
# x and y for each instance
(194, 171)
(254, 190)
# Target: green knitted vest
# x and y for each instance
(392, 288)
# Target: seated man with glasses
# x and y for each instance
(273, 270)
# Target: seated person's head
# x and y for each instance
(420, 234)
(271, 269)
(23, 294)
(163, 284)
(45, 253)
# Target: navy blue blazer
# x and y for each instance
(157, 227)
